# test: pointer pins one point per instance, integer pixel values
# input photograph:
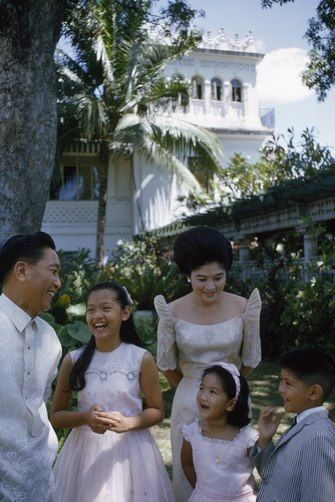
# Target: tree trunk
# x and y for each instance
(29, 31)
(103, 187)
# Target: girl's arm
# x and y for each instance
(60, 416)
(154, 412)
(187, 463)
(173, 377)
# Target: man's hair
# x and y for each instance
(311, 366)
(23, 247)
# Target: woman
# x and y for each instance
(204, 326)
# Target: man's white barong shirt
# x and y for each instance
(29, 355)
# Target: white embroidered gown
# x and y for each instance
(192, 348)
(223, 468)
(120, 467)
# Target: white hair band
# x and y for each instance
(231, 368)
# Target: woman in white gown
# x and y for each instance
(204, 326)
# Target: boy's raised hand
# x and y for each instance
(267, 425)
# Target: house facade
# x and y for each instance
(142, 196)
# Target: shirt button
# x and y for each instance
(28, 347)
(28, 372)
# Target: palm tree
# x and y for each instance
(111, 89)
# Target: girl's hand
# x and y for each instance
(267, 425)
(94, 421)
(115, 421)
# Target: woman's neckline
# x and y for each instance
(106, 352)
(211, 324)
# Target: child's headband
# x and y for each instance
(231, 368)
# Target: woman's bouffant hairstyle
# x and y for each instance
(28, 248)
(239, 416)
(128, 333)
(200, 245)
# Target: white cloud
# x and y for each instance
(279, 76)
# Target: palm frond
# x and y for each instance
(168, 141)
(102, 55)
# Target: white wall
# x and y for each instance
(72, 224)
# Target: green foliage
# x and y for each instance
(309, 314)
(298, 302)
(145, 270)
(79, 272)
(282, 159)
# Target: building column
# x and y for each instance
(207, 95)
(246, 100)
(243, 253)
(310, 243)
(243, 256)
(226, 97)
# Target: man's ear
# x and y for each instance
(20, 271)
(315, 392)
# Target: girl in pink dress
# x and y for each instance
(110, 454)
(215, 451)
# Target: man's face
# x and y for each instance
(42, 282)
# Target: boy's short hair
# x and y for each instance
(311, 366)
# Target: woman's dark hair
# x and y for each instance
(128, 333)
(23, 247)
(239, 416)
(200, 245)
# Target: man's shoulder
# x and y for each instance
(47, 330)
(41, 323)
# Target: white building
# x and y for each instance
(222, 73)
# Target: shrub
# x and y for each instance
(146, 270)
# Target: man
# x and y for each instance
(29, 355)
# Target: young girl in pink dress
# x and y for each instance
(215, 451)
(110, 454)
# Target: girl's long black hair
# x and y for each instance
(128, 333)
(239, 416)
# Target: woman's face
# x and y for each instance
(208, 281)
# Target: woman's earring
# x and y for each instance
(188, 279)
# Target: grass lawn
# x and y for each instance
(263, 383)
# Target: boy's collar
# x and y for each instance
(308, 412)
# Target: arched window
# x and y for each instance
(197, 88)
(236, 90)
(216, 89)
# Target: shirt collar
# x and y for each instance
(308, 412)
(18, 316)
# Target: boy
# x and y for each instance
(301, 466)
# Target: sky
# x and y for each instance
(279, 34)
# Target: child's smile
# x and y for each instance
(294, 393)
(104, 316)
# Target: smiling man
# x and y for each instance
(29, 355)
